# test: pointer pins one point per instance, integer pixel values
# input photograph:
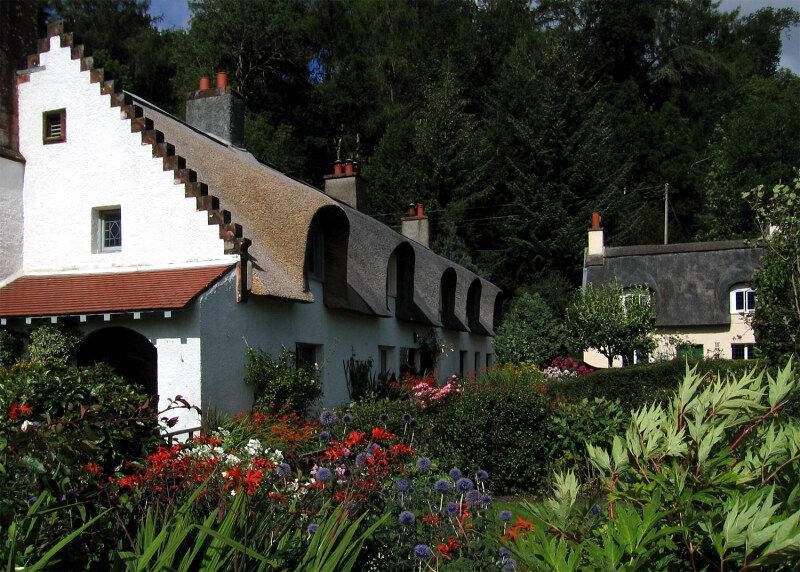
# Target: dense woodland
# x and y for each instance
(511, 120)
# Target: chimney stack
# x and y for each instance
(218, 110)
(416, 225)
(346, 186)
(596, 239)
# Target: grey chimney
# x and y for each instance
(346, 186)
(416, 226)
(218, 110)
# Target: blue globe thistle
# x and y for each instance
(474, 498)
(455, 474)
(504, 552)
(422, 552)
(505, 515)
(328, 418)
(325, 437)
(407, 417)
(413, 423)
(442, 486)
(283, 470)
(372, 448)
(324, 475)
(481, 475)
(403, 484)
(424, 464)
(361, 460)
(313, 528)
(488, 500)
(451, 508)
(465, 485)
(595, 510)
(509, 564)
(351, 507)
(347, 418)
(385, 492)
(384, 418)
(407, 518)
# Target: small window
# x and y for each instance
(54, 126)
(477, 362)
(489, 361)
(305, 356)
(315, 258)
(462, 363)
(409, 361)
(742, 351)
(107, 229)
(743, 300)
(385, 355)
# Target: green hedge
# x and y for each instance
(637, 385)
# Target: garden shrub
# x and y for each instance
(501, 424)
(280, 383)
(51, 343)
(706, 480)
(10, 346)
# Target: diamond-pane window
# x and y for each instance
(111, 229)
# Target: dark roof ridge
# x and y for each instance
(655, 249)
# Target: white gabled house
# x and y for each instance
(171, 248)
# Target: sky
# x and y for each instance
(176, 15)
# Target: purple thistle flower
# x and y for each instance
(481, 475)
(328, 418)
(407, 417)
(283, 470)
(452, 508)
(455, 474)
(595, 510)
(504, 552)
(488, 500)
(384, 418)
(347, 418)
(313, 527)
(361, 460)
(325, 437)
(372, 448)
(424, 464)
(422, 552)
(465, 485)
(505, 515)
(324, 475)
(413, 423)
(442, 486)
(407, 518)
(403, 484)
(509, 564)
(474, 498)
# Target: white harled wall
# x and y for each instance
(100, 164)
(270, 323)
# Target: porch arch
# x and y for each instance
(128, 352)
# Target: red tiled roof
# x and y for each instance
(96, 293)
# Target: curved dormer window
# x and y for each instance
(315, 254)
(743, 299)
(474, 305)
(447, 296)
(400, 281)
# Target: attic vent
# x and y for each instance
(54, 126)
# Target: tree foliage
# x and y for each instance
(613, 321)
(776, 320)
(530, 332)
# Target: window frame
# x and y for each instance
(748, 298)
(48, 122)
(100, 219)
(747, 351)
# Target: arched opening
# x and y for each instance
(497, 315)
(401, 272)
(326, 254)
(474, 308)
(129, 353)
(447, 300)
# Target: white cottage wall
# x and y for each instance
(101, 164)
(227, 328)
(11, 178)
(178, 346)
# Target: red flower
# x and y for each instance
(17, 410)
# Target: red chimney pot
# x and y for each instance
(348, 167)
(595, 220)
(412, 210)
(205, 83)
(338, 167)
(420, 210)
(222, 79)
